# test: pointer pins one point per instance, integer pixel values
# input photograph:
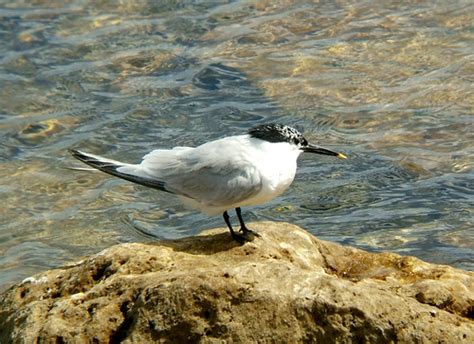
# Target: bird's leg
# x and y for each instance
(243, 228)
(227, 222)
(242, 238)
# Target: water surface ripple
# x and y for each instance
(389, 84)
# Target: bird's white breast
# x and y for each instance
(276, 164)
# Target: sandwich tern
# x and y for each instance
(231, 172)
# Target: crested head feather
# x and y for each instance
(274, 132)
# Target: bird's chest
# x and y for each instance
(277, 173)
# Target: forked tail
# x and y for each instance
(118, 169)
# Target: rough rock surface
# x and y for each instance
(286, 286)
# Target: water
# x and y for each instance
(390, 85)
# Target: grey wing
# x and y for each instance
(209, 178)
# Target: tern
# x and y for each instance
(231, 172)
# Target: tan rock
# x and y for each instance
(286, 286)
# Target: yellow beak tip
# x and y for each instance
(341, 156)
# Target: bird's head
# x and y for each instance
(273, 132)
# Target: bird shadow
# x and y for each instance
(208, 244)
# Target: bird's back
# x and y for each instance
(214, 176)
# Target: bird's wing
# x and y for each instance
(212, 174)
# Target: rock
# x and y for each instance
(286, 286)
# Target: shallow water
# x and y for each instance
(390, 85)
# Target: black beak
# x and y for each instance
(320, 150)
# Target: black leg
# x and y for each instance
(243, 228)
(242, 238)
(227, 222)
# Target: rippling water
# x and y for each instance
(388, 84)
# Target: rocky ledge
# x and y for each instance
(285, 286)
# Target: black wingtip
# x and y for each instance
(90, 160)
(74, 152)
(111, 167)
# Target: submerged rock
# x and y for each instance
(285, 286)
